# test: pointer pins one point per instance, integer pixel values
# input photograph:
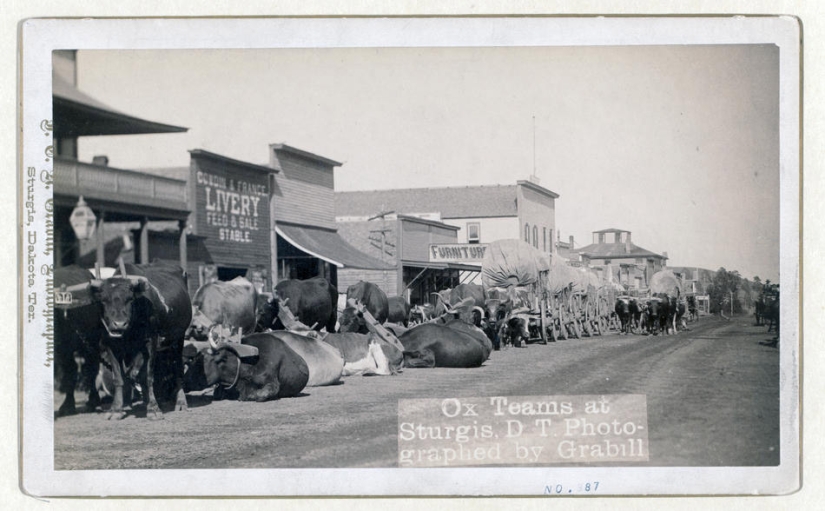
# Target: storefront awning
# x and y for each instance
(77, 114)
(441, 266)
(330, 247)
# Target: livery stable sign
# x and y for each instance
(232, 212)
(457, 252)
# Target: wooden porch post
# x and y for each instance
(144, 241)
(101, 244)
(182, 240)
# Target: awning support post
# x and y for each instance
(144, 241)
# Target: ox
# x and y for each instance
(77, 330)
(326, 365)
(436, 345)
(145, 313)
(313, 302)
(361, 354)
(473, 331)
(259, 368)
(373, 298)
(399, 310)
(657, 314)
(515, 329)
(232, 304)
(627, 309)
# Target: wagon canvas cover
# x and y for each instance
(512, 263)
(666, 282)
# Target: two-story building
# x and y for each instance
(435, 237)
(618, 259)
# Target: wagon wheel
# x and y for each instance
(586, 328)
(543, 309)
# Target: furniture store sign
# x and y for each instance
(457, 252)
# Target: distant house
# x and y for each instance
(619, 260)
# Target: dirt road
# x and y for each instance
(712, 400)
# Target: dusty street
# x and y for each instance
(712, 400)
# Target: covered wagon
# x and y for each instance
(517, 272)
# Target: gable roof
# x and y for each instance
(616, 250)
(451, 202)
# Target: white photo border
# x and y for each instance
(39, 37)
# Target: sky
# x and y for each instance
(678, 144)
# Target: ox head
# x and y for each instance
(222, 361)
(622, 305)
(352, 320)
(201, 323)
(422, 358)
(421, 313)
(120, 298)
(654, 306)
(497, 309)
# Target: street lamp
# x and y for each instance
(83, 220)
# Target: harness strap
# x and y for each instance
(237, 375)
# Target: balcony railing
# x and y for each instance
(72, 177)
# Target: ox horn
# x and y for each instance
(211, 340)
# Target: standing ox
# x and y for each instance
(145, 313)
(655, 315)
(627, 308)
(259, 368)
(373, 298)
(375, 301)
(313, 302)
(399, 311)
(77, 330)
(231, 304)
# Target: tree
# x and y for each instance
(725, 288)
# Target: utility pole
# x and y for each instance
(383, 230)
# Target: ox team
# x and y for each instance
(145, 333)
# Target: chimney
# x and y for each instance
(101, 160)
(627, 246)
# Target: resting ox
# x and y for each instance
(366, 354)
(232, 304)
(313, 302)
(145, 314)
(261, 367)
(77, 330)
(326, 365)
(437, 345)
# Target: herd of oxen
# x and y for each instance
(139, 331)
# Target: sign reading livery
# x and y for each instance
(457, 252)
(231, 209)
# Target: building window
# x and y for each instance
(535, 236)
(527, 233)
(544, 245)
(473, 232)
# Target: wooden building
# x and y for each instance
(435, 237)
(117, 196)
